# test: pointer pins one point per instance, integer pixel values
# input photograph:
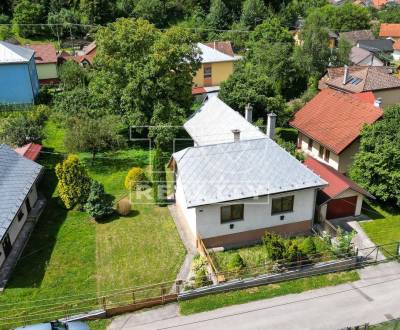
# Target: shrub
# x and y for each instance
(73, 182)
(136, 179)
(342, 246)
(293, 252)
(199, 262)
(308, 247)
(124, 207)
(199, 267)
(236, 262)
(274, 245)
(97, 205)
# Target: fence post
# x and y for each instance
(133, 296)
(103, 301)
(163, 291)
(376, 255)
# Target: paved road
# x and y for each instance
(375, 298)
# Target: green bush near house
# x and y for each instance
(236, 263)
(135, 179)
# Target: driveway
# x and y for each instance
(373, 299)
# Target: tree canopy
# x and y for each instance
(376, 166)
(145, 75)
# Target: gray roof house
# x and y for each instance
(354, 36)
(18, 196)
(230, 192)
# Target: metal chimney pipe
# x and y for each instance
(378, 102)
(248, 113)
(236, 135)
(345, 74)
(271, 123)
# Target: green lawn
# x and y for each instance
(385, 227)
(389, 325)
(219, 300)
(69, 254)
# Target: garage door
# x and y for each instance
(341, 207)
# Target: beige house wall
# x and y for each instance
(47, 71)
(388, 96)
(347, 156)
(220, 71)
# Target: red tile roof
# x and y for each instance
(198, 90)
(90, 48)
(335, 119)
(337, 182)
(366, 96)
(30, 151)
(222, 46)
(44, 53)
(389, 30)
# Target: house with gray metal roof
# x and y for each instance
(18, 73)
(230, 193)
(18, 196)
(214, 121)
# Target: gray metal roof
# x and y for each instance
(10, 53)
(17, 175)
(214, 121)
(231, 171)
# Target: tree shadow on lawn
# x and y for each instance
(370, 209)
(31, 267)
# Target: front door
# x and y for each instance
(6, 245)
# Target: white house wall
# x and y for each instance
(190, 214)
(257, 214)
(16, 225)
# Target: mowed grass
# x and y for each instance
(219, 300)
(70, 255)
(384, 228)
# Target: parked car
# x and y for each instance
(57, 325)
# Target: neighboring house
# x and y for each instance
(382, 47)
(341, 197)
(379, 80)
(330, 124)
(332, 43)
(19, 82)
(380, 3)
(236, 183)
(217, 64)
(363, 57)
(390, 30)
(396, 50)
(214, 121)
(354, 36)
(18, 196)
(84, 57)
(46, 63)
(30, 151)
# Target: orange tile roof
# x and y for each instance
(389, 30)
(335, 119)
(337, 182)
(396, 45)
(366, 96)
(222, 46)
(44, 53)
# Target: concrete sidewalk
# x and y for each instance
(374, 298)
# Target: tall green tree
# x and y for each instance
(27, 12)
(72, 75)
(218, 16)
(253, 13)
(390, 14)
(145, 75)
(271, 30)
(314, 55)
(347, 17)
(376, 166)
(341, 55)
(94, 135)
